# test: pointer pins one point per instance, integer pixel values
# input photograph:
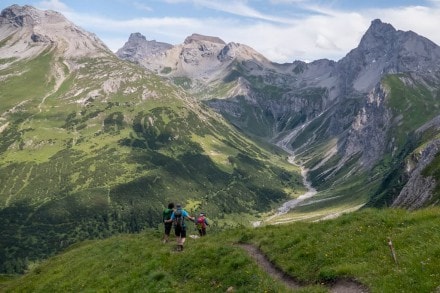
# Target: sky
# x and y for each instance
(281, 30)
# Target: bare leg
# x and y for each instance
(179, 243)
(182, 241)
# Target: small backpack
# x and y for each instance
(167, 214)
(201, 222)
(178, 218)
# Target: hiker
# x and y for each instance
(201, 224)
(166, 216)
(178, 218)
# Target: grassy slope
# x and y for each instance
(352, 246)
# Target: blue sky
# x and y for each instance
(282, 30)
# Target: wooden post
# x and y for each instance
(393, 252)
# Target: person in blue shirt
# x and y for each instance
(178, 218)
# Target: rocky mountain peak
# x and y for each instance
(378, 35)
(134, 37)
(197, 37)
(28, 16)
(384, 50)
(138, 47)
(378, 27)
(20, 15)
(32, 30)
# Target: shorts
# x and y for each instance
(168, 227)
(180, 231)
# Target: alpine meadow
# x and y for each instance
(325, 170)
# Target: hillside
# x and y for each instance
(93, 146)
(316, 255)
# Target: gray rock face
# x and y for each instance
(22, 16)
(369, 130)
(384, 50)
(197, 37)
(138, 47)
(418, 190)
(31, 31)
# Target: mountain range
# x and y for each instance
(95, 143)
(371, 116)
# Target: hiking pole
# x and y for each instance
(393, 252)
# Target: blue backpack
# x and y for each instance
(178, 218)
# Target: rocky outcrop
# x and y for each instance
(197, 37)
(138, 47)
(30, 31)
(419, 189)
(369, 131)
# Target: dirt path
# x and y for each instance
(339, 286)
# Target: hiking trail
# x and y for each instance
(338, 286)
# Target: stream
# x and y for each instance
(290, 204)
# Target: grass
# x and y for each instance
(414, 104)
(354, 246)
(29, 80)
(141, 263)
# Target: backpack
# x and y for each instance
(201, 222)
(178, 218)
(167, 214)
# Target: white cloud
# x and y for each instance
(325, 43)
(55, 5)
(238, 8)
(328, 33)
(142, 6)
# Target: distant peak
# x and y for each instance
(197, 37)
(26, 15)
(377, 35)
(137, 36)
(376, 21)
(138, 39)
(380, 28)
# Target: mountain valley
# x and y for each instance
(95, 143)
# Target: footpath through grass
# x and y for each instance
(354, 246)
